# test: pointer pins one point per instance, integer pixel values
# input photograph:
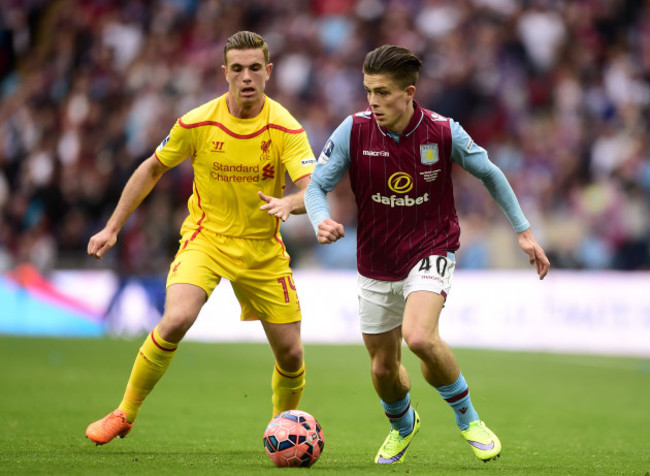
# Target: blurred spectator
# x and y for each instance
(557, 92)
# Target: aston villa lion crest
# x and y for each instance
(429, 154)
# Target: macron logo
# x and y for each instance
(376, 153)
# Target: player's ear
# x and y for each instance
(269, 68)
(410, 91)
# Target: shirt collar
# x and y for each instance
(416, 120)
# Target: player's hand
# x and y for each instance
(101, 242)
(329, 231)
(278, 207)
(535, 253)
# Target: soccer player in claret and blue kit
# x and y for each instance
(240, 144)
(399, 157)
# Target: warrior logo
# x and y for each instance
(217, 146)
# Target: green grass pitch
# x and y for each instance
(555, 414)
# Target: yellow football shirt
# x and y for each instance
(232, 159)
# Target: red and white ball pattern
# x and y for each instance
(294, 438)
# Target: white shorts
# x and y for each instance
(381, 303)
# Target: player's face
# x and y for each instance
(246, 73)
(391, 105)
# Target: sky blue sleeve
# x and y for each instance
(333, 162)
(474, 159)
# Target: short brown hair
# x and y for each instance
(395, 61)
(246, 40)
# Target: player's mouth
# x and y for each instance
(248, 92)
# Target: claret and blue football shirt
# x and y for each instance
(403, 188)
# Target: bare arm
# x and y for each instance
(136, 189)
(289, 204)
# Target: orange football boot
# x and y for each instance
(112, 425)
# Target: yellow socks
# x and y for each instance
(287, 388)
(150, 365)
(154, 358)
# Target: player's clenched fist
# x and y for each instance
(329, 231)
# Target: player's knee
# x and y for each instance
(296, 356)
(173, 326)
(291, 358)
(383, 369)
(421, 344)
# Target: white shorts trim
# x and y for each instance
(381, 303)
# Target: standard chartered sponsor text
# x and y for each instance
(249, 173)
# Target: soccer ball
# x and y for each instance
(293, 438)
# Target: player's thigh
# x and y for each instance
(182, 306)
(422, 316)
(425, 290)
(268, 293)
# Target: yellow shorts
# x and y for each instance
(257, 269)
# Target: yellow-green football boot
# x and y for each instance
(484, 442)
(395, 446)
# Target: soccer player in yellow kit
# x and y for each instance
(240, 144)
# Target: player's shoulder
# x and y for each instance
(436, 118)
(280, 116)
(360, 120)
(206, 112)
(362, 117)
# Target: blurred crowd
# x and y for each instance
(558, 92)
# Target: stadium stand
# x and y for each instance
(558, 93)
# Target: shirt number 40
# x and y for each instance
(441, 265)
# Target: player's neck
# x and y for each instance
(244, 111)
(403, 121)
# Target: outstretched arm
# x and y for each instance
(474, 159)
(290, 204)
(136, 189)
